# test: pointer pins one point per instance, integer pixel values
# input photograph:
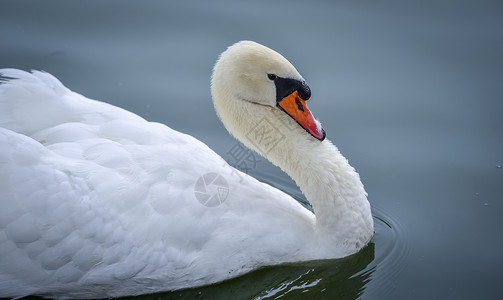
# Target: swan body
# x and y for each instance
(97, 202)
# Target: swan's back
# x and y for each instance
(74, 172)
(37, 101)
(96, 201)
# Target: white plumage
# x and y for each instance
(97, 202)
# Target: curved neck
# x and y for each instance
(325, 177)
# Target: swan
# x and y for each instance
(97, 202)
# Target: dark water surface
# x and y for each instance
(410, 91)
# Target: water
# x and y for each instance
(410, 91)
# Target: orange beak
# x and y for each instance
(296, 108)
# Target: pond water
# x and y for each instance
(410, 91)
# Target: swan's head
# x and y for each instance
(250, 72)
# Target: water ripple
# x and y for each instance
(392, 246)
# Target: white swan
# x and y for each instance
(97, 202)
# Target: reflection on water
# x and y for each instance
(329, 279)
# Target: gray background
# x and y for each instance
(410, 91)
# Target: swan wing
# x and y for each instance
(93, 195)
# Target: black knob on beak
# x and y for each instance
(286, 86)
(304, 91)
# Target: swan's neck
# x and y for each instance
(325, 177)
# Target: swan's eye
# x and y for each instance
(272, 76)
